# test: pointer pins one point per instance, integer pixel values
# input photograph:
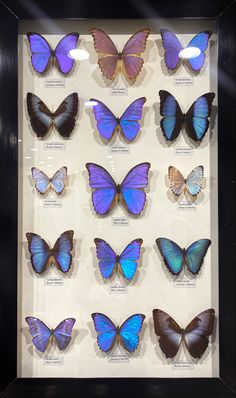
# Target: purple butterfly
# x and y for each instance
(42, 335)
(43, 183)
(128, 125)
(107, 193)
(172, 47)
(126, 262)
(42, 54)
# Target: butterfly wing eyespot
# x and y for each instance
(62, 333)
(65, 115)
(107, 331)
(129, 258)
(129, 121)
(196, 334)
(40, 52)
(39, 114)
(195, 255)
(65, 63)
(104, 195)
(172, 255)
(62, 251)
(177, 181)
(40, 332)
(194, 181)
(106, 258)
(168, 331)
(40, 252)
(172, 47)
(130, 330)
(108, 56)
(172, 121)
(106, 120)
(132, 193)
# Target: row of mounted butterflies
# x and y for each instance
(195, 336)
(195, 120)
(111, 61)
(129, 193)
(109, 262)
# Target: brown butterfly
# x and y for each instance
(192, 184)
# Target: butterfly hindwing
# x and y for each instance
(197, 122)
(40, 52)
(107, 331)
(171, 123)
(106, 258)
(172, 255)
(64, 62)
(62, 333)
(106, 120)
(129, 258)
(62, 251)
(195, 254)
(40, 332)
(129, 332)
(40, 252)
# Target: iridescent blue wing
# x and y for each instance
(132, 188)
(197, 122)
(40, 252)
(64, 61)
(200, 41)
(106, 330)
(62, 333)
(104, 186)
(40, 52)
(58, 181)
(172, 47)
(129, 332)
(41, 180)
(40, 332)
(169, 332)
(129, 121)
(106, 258)
(171, 123)
(41, 118)
(129, 258)
(61, 251)
(65, 116)
(195, 254)
(172, 255)
(197, 332)
(194, 181)
(106, 120)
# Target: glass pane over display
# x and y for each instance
(118, 212)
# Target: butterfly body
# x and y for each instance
(127, 334)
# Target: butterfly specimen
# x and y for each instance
(176, 258)
(127, 124)
(42, 119)
(43, 183)
(128, 61)
(42, 335)
(195, 121)
(172, 47)
(195, 335)
(107, 193)
(42, 256)
(42, 55)
(127, 334)
(126, 262)
(192, 184)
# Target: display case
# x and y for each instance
(117, 205)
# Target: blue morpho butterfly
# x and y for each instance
(42, 335)
(42, 119)
(42, 256)
(107, 193)
(126, 262)
(176, 258)
(42, 54)
(127, 334)
(195, 120)
(192, 184)
(173, 48)
(127, 124)
(43, 183)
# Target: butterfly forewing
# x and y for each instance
(107, 331)
(40, 52)
(62, 333)
(194, 181)
(129, 121)
(171, 123)
(106, 120)
(64, 117)
(172, 47)
(197, 332)
(195, 253)
(64, 62)
(129, 258)
(106, 258)
(62, 249)
(40, 252)
(172, 255)
(40, 332)
(169, 332)
(199, 41)
(41, 180)
(40, 116)
(129, 332)
(177, 181)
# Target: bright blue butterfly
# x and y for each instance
(42, 335)
(43, 183)
(176, 258)
(42, 256)
(109, 334)
(128, 123)
(195, 120)
(126, 262)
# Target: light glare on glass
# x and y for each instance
(189, 52)
(78, 54)
(90, 103)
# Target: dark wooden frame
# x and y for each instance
(224, 12)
